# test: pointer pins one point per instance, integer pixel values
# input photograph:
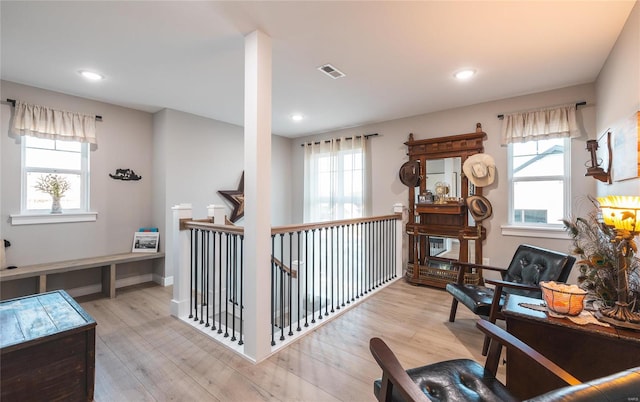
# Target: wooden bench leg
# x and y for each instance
(109, 281)
(42, 283)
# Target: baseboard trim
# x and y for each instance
(163, 280)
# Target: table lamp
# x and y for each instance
(623, 214)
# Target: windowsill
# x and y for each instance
(535, 231)
(65, 217)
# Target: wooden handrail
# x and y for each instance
(329, 224)
(206, 224)
(294, 274)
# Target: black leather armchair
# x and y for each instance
(530, 266)
(467, 380)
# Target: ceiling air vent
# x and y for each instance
(331, 71)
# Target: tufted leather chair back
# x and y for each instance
(531, 265)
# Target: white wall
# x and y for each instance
(389, 153)
(618, 92)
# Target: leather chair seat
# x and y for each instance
(477, 298)
(454, 380)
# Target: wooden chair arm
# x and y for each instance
(464, 267)
(495, 311)
(513, 285)
(500, 338)
(474, 265)
(393, 374)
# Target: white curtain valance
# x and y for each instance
(553, 122)
(44, 122)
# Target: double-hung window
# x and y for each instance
(55, 153)
(66, 159)
(539, 182)
(539, 161)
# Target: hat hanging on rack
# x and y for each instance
(410, 173)
(480, 169)
(479, 207)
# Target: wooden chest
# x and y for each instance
(47, 349)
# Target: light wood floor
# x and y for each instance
(144, 354)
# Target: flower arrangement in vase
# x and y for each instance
(592, 242)
(54, 185)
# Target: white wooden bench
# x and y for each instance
(107, 262)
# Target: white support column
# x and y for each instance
(179, 259)
(399, 208)
(257, 188)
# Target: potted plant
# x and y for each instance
(592, 242)
(54, 185)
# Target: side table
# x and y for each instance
(586, 351)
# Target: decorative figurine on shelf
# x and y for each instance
(125, 175)
(442, 191)
(54, 185)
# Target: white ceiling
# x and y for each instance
(399, 57)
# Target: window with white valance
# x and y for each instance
(533, 125)
(539, 166)
(45, 122)
(54, 143)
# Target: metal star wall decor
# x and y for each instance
(236, 198)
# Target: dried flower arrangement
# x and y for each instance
(598, 264)
(53, 184)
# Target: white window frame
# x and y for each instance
(82, 214)
(545, 230)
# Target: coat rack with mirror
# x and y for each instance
(440, 229)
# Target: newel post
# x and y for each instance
(180, 260)
(399, 208)
(217, 212)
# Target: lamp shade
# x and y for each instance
(621, 212)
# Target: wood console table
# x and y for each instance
(47, 349)
(586, 351)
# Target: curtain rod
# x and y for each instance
(366, 136)
(501, 116)
(12, 102)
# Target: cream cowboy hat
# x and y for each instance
(480, 169)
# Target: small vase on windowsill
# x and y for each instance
(56, 208)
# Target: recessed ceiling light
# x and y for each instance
(297, 117)
(90, 75)
(464, 74)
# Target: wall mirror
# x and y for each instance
(447, 170)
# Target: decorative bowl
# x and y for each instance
(562, 298)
